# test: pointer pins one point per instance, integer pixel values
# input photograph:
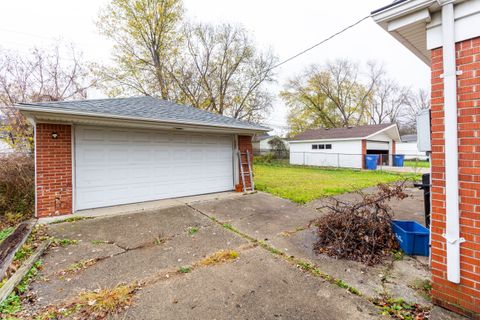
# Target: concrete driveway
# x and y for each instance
(262, 283)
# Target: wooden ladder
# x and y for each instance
(243, 174)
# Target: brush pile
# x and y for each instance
(359, 231)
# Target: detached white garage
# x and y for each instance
(344, 147)
(100, 153)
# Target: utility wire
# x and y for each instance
(319, 43)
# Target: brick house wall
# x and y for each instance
(244, 144)
(53, 169)
(464, 297)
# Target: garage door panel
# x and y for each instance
(118, 166)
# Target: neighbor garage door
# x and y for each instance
(118, 166)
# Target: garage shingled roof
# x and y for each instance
(341, 133)
(144, 108)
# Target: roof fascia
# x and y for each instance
(81, 119)
(72, 116)
(326, 140)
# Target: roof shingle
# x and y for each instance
(341, 133)
(146, 108)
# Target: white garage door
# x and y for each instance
(118, 166)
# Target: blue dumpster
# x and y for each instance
(398, 160)
(371, 161)
(412, 237)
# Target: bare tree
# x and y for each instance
(389, 102)
(147, 38)
(222, 71)
(334, 95)
(417, 101)
(41, 76)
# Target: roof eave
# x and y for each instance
(403, 11)
(52, 114)
(326, 140)
(397, 138)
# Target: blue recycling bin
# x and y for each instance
(412, 237)
(371, 161)
(398, 160)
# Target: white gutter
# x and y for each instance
(452, 233)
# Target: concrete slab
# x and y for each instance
(259, 215)
(394, 277)
(141, 206)
(137, 255)
(256, 286)
(131, 230)
(266, 217)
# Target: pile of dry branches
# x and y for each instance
(359, 231)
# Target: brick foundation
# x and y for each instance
(53, 170)
(244, 144)
(464, 297)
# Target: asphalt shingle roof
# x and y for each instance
(409, 138)
(146, 108)
(341, 133)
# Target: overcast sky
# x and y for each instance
(285, 26)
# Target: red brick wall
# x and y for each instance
(364, 152)
(54, 170)
(244, 144)
(464, 297)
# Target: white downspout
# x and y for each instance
(452, 234)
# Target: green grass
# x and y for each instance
(5, 233)
(303, 184)
(416, 164)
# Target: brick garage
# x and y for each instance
(445, 34)
(102, 155)
(53, 163)
(244, 145)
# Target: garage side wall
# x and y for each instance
(464, 297)
(53, 169)
(244, 144)
(343, 154)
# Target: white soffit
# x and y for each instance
(417, 24)
(467, 24)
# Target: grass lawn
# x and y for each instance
(303, 184)
(416, 164)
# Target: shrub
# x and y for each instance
(267, 158)
(17, 195)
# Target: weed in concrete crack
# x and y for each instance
(98, 304)
(63, 242)
(228, 226)
(219, 257)
(184, 269)
(397, 255)
(159, 240)
(97, 242)
(192, 231)
(400, 309)
(423, 287)
(78, 266)
(71, 219)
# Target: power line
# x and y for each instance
(319, 43)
